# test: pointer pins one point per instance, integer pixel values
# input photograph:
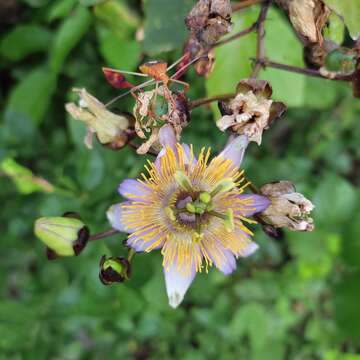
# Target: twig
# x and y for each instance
(103, 235)
(237, 35)
(244, 4)
(299, 70)
(199, 102)
(260, 47)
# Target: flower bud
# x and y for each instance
(64, 236)
(114, 270)
(288, 208)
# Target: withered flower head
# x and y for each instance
(251, 111)
(158, 107)
(111, 129)
(209, 20)
(288, 208)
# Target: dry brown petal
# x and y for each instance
(205, 66)
(277, 188)
(258, 87)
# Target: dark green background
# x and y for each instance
(296, 298)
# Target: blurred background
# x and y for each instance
(296, 298)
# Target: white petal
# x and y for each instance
(177, 283)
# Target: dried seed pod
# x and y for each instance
(288, 208)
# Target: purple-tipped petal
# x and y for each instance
(222, 257)
(133, 190)
(167, 137)
(253, 204)
(177, 283)
(226, 263)
(235, 150)
(115, 216)
(187, 152)
(249, 249)
(138, 243)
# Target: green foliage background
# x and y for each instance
(297, 298)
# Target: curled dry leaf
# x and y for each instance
(111, 129)
(288, 208)
(308, 17)
(251, 111)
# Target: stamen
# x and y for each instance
(182, 179)
(223, 185)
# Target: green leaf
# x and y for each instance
(60, 9)
(335, 29)
(32, 95)
(117, 51)
(90, 168)
(252, 320)
(351, 243)
(24, 40)
(68, 36)
(349, 10)
(334, 200)
(287, 87)
(164, 25)
(23, 178)
(118, 18)
(346, 305)
(319, 93)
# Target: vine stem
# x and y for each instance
(103, 234)
(244, 4)
(238, 35)
(199, 102)
(309, 72)
(260, 46)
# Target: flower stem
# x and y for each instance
(199, 102)
(131, 254)
(237, 35)
(102, 235)
(309, 72)
(260, 47)
(244, 4)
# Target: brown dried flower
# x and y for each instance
(251, 111)
(207, 22)
(158, 107)
(288, 208)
